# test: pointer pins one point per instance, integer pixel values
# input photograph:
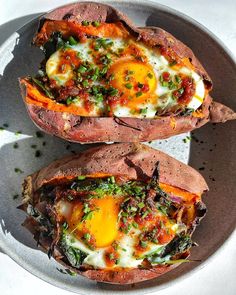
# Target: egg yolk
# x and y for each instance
(133, 79)
(103, 223)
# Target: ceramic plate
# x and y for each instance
(212, 149)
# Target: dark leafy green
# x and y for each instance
(40, 85)
(178, 245)
(74, 255)
(54, 43)
(38, 216)
(66, 271)
(186, 112)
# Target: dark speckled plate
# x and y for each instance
(212, 150)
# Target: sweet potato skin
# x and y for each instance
(127, 276)
(75, 128)
(136, 161)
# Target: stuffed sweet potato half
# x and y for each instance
(103, 79)
(121, 213)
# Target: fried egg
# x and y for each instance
(96, 234)
(132, 83)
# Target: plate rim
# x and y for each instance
(228, 54)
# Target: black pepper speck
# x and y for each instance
(38, 153)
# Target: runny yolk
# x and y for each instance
(133, 79)
(103, 224)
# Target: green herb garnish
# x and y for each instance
(87, 236)
(15, 196)
(141, 205)
(139, 93)
(85, 23)
(88, 213)
(135, 224)
(143, 111)
(162, 209)
(96, 24)
(128, 85)
(72, 41)
(143, 244)
(178, 79)
(39, 134)
(140, 85)
(130, 72)
(173, 63)
(82, 69)
(69, 100)
(38, 154)
(112, 91)
(18, 170)
(65, 225)
(85, 83)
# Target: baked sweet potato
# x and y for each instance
(162, 91)
(120, 213)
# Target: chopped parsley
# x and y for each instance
(128, 85)
(69, 100)
(85, 23)
(139, 93)
(143, 111)
(96, 24)
(15, 196)
(18, 170)
(38, 153)
(72, 41)
(39, 134)
(81, 177)
(82, 69)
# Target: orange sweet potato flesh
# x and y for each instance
(73, 125)
(134, 161)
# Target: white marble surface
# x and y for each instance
(218, 276)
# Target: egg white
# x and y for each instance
(54, 61)
(126, 245)
(159, 65)
(51, 69)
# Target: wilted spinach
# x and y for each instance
(178, 245)
(53, 44)
(75, 256)
(40, 218)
